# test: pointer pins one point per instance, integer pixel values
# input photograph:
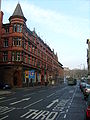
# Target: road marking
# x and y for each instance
(7, 100)
(53, 102)
(50, 95)
(2, 109)
(2, 98)
(71, 91)
(68, 106)
(65, 116)
(7, 111)
(62, 112)
(66, 110)
(25, 114)
(33, 103)
(70, 103)
(4, 117)
(40, 114)
(25, 99)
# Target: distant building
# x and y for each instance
(66, 72)
(88, 59)
(24, 58)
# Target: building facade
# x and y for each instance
(24, 58)
(88, 59)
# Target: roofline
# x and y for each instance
(17, 16)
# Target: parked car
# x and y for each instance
(87, 112)
(82, 86)
(86, 91)
(4, 86)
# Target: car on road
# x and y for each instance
(87, 113)
(86, 91)
(82, 86)
(4, 86)
(71, 81)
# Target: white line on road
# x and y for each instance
(7, 100)
(4, 117)
(33, 103)
(3, 109)
(50, 95)
(68, 106)
(2, 98)
(25, 99)
(25, 114)
(53, 102)
(7, 111)
(66, 110)
(65, 116)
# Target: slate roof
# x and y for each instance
(18, 12)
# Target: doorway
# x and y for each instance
(15, 78)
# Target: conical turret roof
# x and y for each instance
(18, 12)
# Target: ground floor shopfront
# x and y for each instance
(20, 76)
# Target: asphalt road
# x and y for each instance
(60, 102)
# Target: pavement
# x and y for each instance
(5, 92)
(10, 91)
(13, 90)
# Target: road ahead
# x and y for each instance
(47, 103)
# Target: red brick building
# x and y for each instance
(24, 57)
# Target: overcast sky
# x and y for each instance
(63, 24)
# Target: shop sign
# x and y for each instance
(32, 74)
(26, 74)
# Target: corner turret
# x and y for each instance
(17, 15)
